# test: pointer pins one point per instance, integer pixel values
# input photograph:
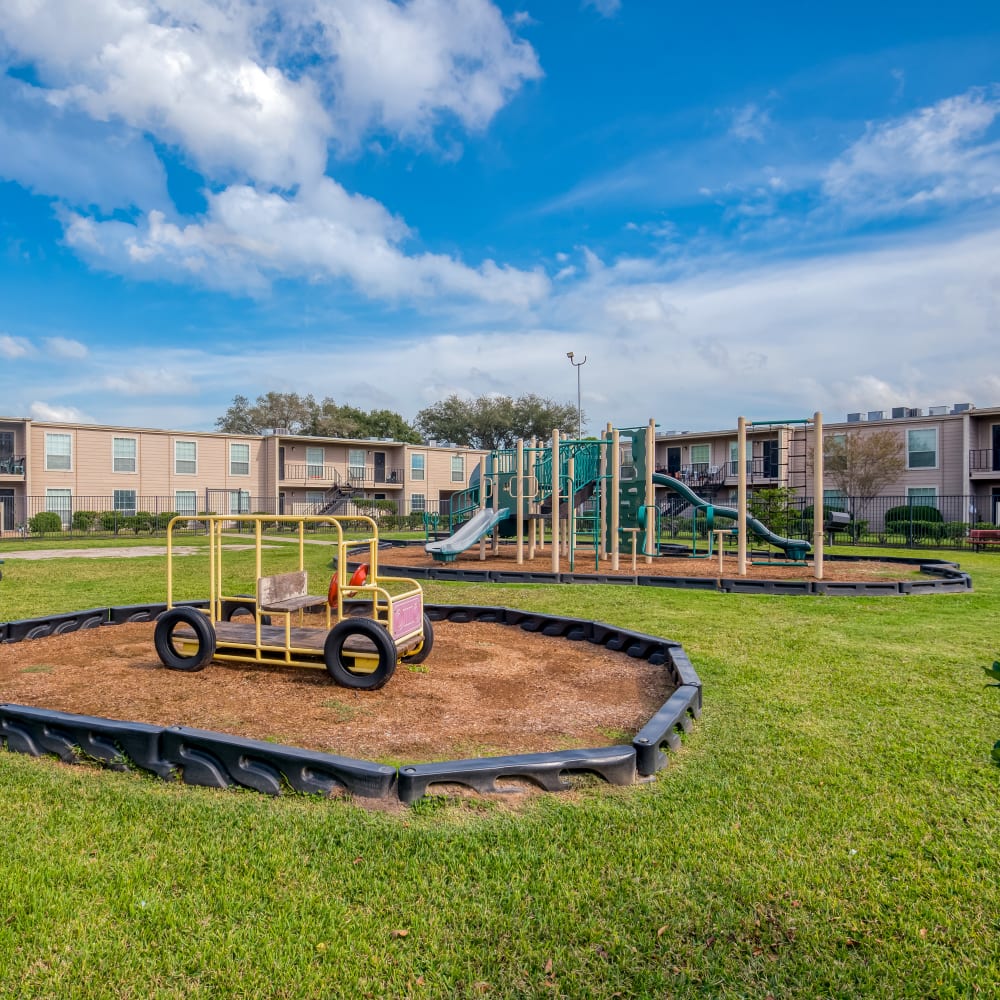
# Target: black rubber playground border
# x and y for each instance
(946, 578)
(218, 760)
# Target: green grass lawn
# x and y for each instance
(831, 828)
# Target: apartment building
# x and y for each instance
(950, 451)
(64, 467)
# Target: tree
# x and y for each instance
(861, 465)
(303, 415)
(274, 410)
(494, 422)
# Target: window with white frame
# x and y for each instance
(186, 458)
(314, 463)
(700, 454)
(186, 502)
(316, 499)
(58, 452)
(123, 454)
(834, 500)
(239, 459)
(239, 502)
(356, 464)
(458, 468)
(734, 458)
(124, 501)
(60, 502)
(417, 464)
(418, 503)
(921, 448)
(923, 496)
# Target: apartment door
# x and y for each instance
(996, 447)
(995, 501)
(7, 510)
(770, 455)
(673, 461)
(281, 463)
(379, 459)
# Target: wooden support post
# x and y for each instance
(616, 482)
(651, 541)
(555, 501)
(818, 513)
(741, 502)
(520, 502)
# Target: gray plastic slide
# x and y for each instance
(466, 536)
(794, 548)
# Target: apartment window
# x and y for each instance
(239, 502)
(315, 497)
(734, 458)
(314, 463)
(239, 459)
(834, 500)
(417, 468)
(457, 468)
(186, 458)
(58, 452)
(186, 502)
(124, 501)
(700, 454)
(921, 448)
(418, 503)
(123, 454)
(356, 464)
(60, 502)
(924, 496)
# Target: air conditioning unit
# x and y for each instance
(936, 411)
(961, 408)
(876, 414)
(854, 418)
(899, 412)
(914, 411)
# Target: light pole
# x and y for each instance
(579, 411)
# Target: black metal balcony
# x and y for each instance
(12, 465)
(984, 460)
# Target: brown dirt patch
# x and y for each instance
(485, 690)
(506, 559)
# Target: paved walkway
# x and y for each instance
(126, 552)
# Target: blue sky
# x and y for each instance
(726, 210)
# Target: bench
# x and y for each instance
(979, 538)
(286, 592)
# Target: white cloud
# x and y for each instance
(65, 347)
(606, 8)
(60, 414)
(249, 238)
(750, 123)
(14, 347)
(932, 156)
(160, 381)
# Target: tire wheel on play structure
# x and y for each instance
(192, 648)
(375, 664)
(241, 609)
(423, 651)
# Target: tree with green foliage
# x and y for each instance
(861, 465)
(297, 414)
(494, 422)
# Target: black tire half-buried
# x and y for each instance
(166, 639)
(425, 649)
(375, 644)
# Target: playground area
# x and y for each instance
(505, 558)
(490, 690)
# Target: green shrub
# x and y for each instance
(112, 520)
(164, 518)
(85, 520)
(896, 518)
(954, 530)
(45, 522)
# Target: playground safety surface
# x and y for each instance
(506, 559)
(485, 690)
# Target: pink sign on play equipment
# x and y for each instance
(407, 615)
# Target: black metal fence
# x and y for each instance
(95, 517)
(941, 522)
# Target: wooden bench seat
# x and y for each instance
(286, 592)
(979, 538)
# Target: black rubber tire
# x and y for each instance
(231, 608)
(204, 638)
(425, 650)
(340, 665)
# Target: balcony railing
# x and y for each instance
(12, 465)
(984, 460)
(341, 474)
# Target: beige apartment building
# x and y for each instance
(952, 457)
(63, 467)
